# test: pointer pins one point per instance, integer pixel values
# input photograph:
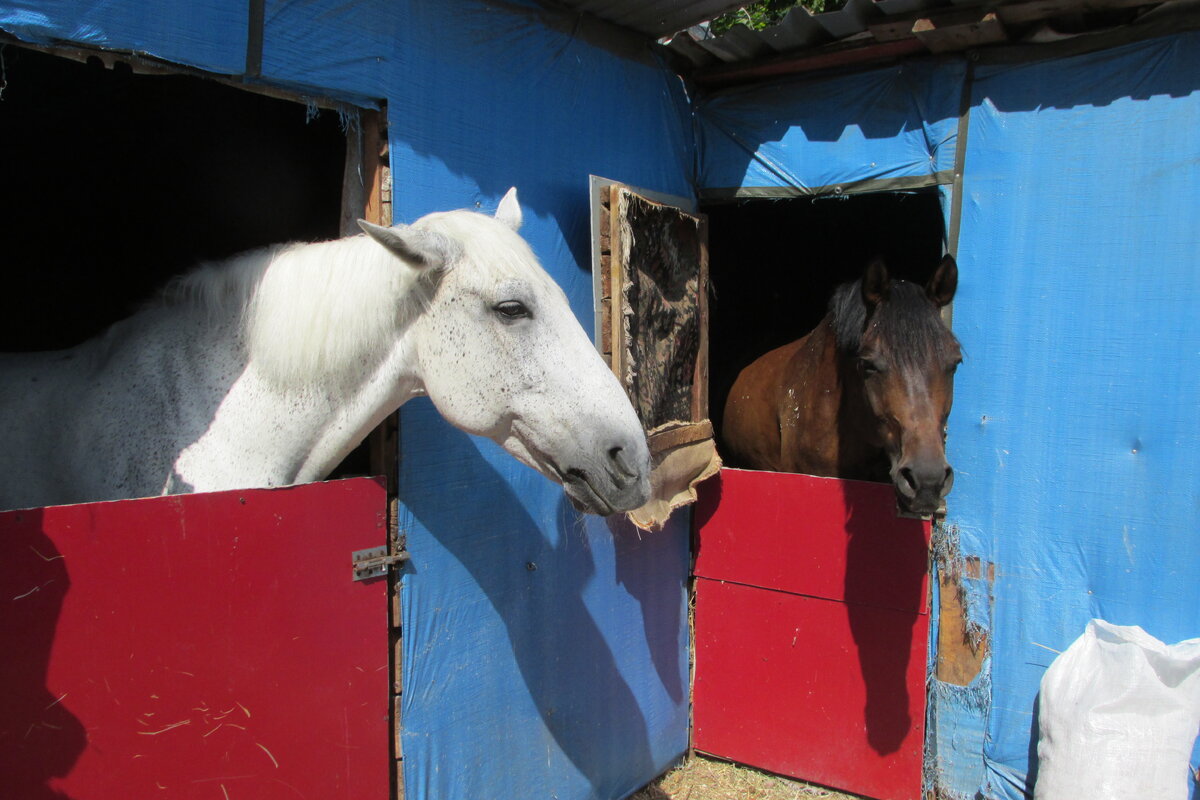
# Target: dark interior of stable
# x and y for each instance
(113, 182)
(774, 264)
(116, 181)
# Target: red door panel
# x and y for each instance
(811, 631)
(197, 646)
(823, 537)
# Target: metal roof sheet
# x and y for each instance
(859, 32)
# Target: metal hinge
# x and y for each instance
(374, 562)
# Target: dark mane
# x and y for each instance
(906, 317)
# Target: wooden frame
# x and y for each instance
(650, 280)
(367, 194)
(615, 279)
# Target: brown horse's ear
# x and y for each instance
(944, 283)
(875, 283)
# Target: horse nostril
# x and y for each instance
(909, 480)
(621, 465)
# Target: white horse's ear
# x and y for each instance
(509, 211)
(420, 249)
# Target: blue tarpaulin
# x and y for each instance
(545, 654)
(804, 136)
(1076, 445)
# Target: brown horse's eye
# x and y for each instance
(868, 367)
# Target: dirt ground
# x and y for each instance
(706, 779)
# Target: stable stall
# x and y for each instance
(1065, 179)
(533, 652)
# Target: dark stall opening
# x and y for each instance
(115, 181)
(774, 264)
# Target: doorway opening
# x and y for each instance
(810, 594)
(117, 181)
(774, 264)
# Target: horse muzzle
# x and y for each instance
(921, 486)
(619, 482)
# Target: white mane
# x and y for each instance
(310, 312)
(326, 312)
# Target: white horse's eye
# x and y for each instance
(511, 309)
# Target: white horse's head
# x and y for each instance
(501, 355)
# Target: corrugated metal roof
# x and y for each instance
(860, 31)
(654, 18)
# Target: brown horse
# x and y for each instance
(866, 395)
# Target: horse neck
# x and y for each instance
(345, 415)
(322, 394)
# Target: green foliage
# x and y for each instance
(765, 13)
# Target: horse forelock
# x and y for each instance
(907, 323)
(849, 316)
(488, 248)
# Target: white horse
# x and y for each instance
(268, 369)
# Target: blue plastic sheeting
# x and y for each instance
(888, 124)
(545, 655)
(207, 34)
(1074, 425)
(567, 678)
(351, 47)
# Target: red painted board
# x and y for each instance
(208, 646)
(826, 691)
(821, 537)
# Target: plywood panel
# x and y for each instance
(201, 646)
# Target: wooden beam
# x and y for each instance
(942, 35)
(616, 277)
(700, 376)
(844, 54)
(1018, 13)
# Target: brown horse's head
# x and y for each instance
(905, 358)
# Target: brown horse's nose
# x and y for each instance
(922, 485)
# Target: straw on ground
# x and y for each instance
(707, 779)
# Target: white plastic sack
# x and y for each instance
(1117, 717)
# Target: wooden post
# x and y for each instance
(367, 194)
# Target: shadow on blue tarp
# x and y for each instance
(534, 590)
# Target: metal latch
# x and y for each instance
(374, 562)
